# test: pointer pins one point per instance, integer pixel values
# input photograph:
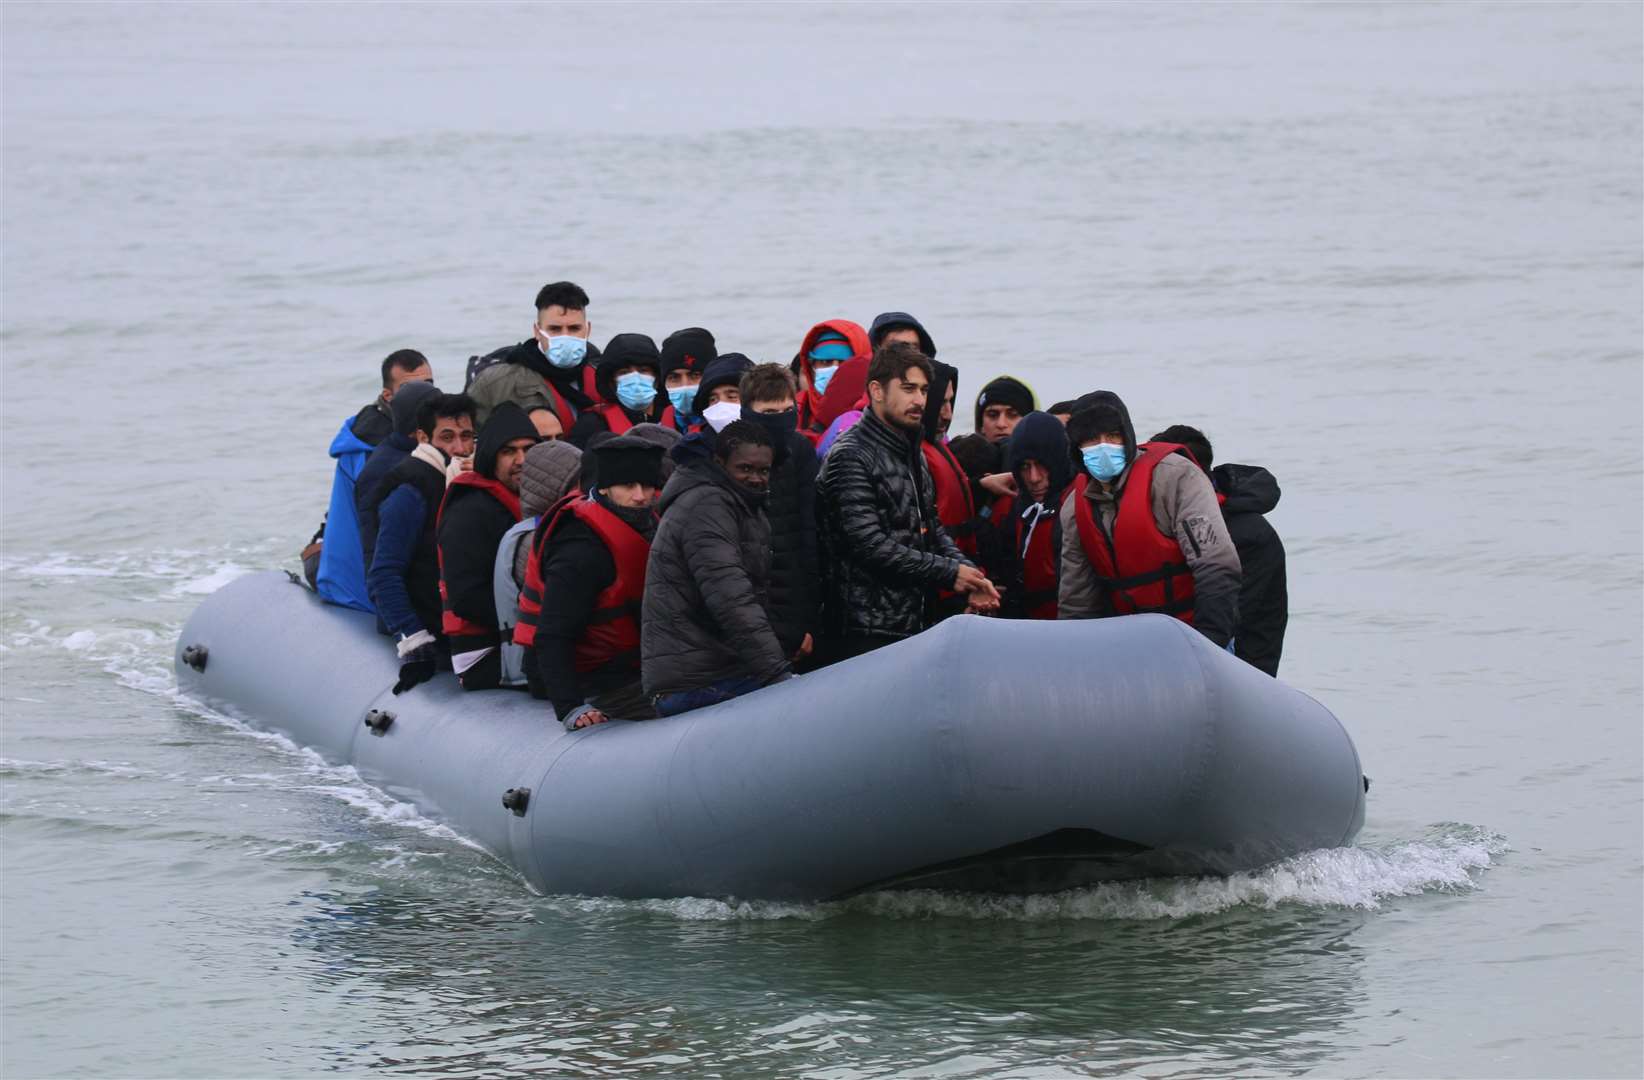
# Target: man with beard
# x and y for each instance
(885, 551)
(480, 506)
(706, 634)
(585, 584)
(553, 368)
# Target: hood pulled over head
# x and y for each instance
(1040, 437)
(942, 376)
(1098, 413)
(506, 423)
(624, 350)
(900, 320)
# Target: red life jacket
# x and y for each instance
(1041, 574)
(611, 635)
(955, 506)
(563, 409)
(616, 418)
(469, 636)
(1139, 568)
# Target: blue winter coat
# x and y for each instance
(341, 579)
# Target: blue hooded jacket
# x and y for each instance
(341, 579)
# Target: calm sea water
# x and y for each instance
(1391, 252)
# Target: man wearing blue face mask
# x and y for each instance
(686, 355)
(1150, 536)
(553, 369)
(626, 379)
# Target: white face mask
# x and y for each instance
(721, 413)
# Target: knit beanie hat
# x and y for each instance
(402, 407)
(692, 349)
(830, 346)
(1004, 391)
(726, 370)
(551, 471)
(627, 460)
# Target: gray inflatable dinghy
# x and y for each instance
(982, 755)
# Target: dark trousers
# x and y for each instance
(703, 696)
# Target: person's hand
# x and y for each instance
(969, 580)
(980, 604)
(416, 667)
(999, 483)
(806, 647)
(465, 464)
(587, 716)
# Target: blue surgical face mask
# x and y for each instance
(821, 377)
(1104, 460)
(683, 397)
(636, 390)
(563, 351)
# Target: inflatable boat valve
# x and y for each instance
(516, 799)
(195, 657)
(378, 720)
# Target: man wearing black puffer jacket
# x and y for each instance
(770, 399)
(705, 635)
(885, 553)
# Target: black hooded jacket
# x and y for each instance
(884, 552)
(1038, 437)
(790, 507)
(473, 521)
(705, 615)
(1250, 491)
(897, 320)
(624, 350)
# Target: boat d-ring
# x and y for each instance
(195, 656)
(516, 799)
(379, 721)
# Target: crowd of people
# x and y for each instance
(643, 530)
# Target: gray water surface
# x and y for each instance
(1393, 253)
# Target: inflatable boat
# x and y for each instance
(982, 755)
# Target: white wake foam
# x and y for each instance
(1448, 859)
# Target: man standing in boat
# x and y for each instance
(554, 368)
(1149, 535)
(885, 551)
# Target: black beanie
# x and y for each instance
(1004, 391)
(506, 423)
(402, 407)
(627, 460)
(726, 370)
(692, 349)
(589, 467)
